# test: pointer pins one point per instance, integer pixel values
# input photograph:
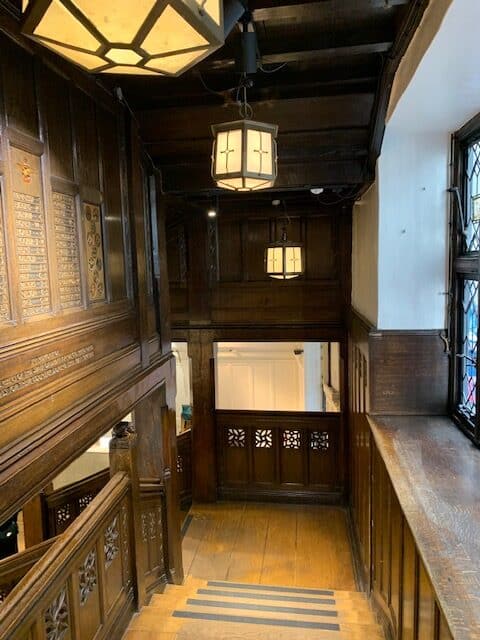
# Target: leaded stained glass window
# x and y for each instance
(465, 279)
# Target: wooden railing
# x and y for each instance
(154, 533)
(280, 454)
(184, 468)
(14, 568)
(62, 506)
(83, 586)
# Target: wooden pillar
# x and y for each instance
(170, 481)
(123, 457)
(204, 459)
(34, 525)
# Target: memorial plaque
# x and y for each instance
(92, 223)
(30, 234)
(67, 250)
(4, 294)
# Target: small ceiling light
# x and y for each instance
(316, 191)
(211, 213)
(284, 259)
(244, 156)
(145, 37)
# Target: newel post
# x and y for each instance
(123, 457)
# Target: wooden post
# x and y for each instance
(123, 457)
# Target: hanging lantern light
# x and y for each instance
(244, 156)
(284, 260)
(145, 37)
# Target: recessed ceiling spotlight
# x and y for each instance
(211, 213)
(275, 203)
(317, 191)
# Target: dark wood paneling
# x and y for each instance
(109, 138)
(244, 294)
(279, 455)
(396, 386)
(19, 89)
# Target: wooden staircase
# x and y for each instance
(215, 610)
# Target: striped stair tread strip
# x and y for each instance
(262, 587)
(262, 607)
(218, 617)
(265, 596)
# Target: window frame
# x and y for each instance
(463, 266)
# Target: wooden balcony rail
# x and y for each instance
(63, 505)
(280, 454)
(184, 468)
(13, 568)
(83, 586)
(154, 532)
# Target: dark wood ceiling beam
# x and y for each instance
(264, 11)
(404, 36)
(345, 5)
(306, 56)
(303, 114)
(322, 47)
(310, 143)
(327, 173)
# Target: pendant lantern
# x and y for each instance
(144, 37)
(284, 260)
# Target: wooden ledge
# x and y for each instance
(435, 471)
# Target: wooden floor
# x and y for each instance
(269, 544)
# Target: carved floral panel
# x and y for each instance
(111, 544)
(319, 441)
(236, 437)
(92, 222)
(263, 438)
(56, 617)
(87, 576)
(291, 439)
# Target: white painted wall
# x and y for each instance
(259, 376)
(365, 255)
(182, 375)
(412, 172)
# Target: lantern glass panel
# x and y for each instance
(275, 260)
(171, 32)
(228, 156)
(293, 260)
(210, 7)
(87, 60)
(259, 151)
(115, 20)
(58, 21)
(175, 63)
(123, 69)
(123, 56)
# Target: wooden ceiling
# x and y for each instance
(337, 61)
(325, 76)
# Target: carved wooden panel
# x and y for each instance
(67, 250)
(30, 234)
(87, 576)
(260, 457)
(4, 288)
(112, 542)
(57, 618)
(92, 222)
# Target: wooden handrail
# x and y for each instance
(28, 593)
(23, 560)
(59, 495)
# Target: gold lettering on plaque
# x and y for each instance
(92, 222)
(4, 294)
(30, 234)
(44, 367)
(67, 250)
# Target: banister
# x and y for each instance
(62, 555)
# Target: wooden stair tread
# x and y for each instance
(180, 599)
(253, 609)
(202, 610)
